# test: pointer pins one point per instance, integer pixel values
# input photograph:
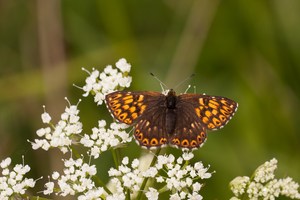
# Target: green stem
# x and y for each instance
(100, 183)
(116, 157)
(127, 194)
(146, 179)
(75, 152)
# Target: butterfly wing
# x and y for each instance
(198, 113)
(145, 110)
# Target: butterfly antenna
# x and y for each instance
(162, 85)
(189, 86)
(191, 76)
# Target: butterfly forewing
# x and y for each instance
(126, 107)
(143, 109)
(212, 111)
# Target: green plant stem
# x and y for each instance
(116, 157)
(127, 194)
(100, 183)
(146, 179)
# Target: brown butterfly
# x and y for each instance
(161, 119)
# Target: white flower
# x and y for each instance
(62, 134)
(46, 118)
(5, 163)
(92, 194)
(49, 188)
(265, 172)
(175, 196)
(14, 182)
(76, 178)
(196, 187)
(187, 155)
(195, 196)
(103, 138)
(111, 79)
(263, 185)
(152, 194)
(123, 65)
(179, 175)
(239, 184)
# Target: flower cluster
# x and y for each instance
(111, 79)
(181, 178)
(264, 185)
(75, 180)
(62, 134)
(13, 182)
(125, 178)
(102, 139)
(173, 175)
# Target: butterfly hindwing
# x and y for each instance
(189, 132)
(150, 130)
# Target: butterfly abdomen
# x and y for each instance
(170, 120)
(171, 115)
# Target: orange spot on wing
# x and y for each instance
(197, 110)
(208, 114)
(141, 98)
(205, 120)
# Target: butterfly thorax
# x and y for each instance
(171, 115)
(171, 99)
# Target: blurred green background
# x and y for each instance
(248, 51)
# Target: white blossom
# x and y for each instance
(62, 134)
(152, 194)
(111, 79)
(13, 182)
(49, 188)
(46, 118)
(123, 65)
(263, 185)
(103, 138)
(76, 178)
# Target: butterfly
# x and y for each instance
(159, 119)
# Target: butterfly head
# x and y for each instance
(171, 92)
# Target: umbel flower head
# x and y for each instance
(101, 83)
(61, 135)
(13, 183)
(181, 179)
(263, 184)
